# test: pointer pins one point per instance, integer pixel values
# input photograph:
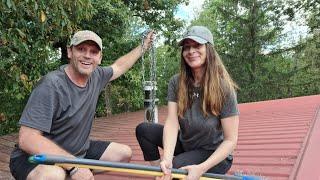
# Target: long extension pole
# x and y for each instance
(119, 167)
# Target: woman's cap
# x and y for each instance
(200, 34)
(85, 35)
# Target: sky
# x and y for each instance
(189, 12)
(293, 29)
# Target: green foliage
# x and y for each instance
(168, 58)
(29, 29)
(247, 35)
(127, 92)
(306, 80)
(34, 36)
(123, 24)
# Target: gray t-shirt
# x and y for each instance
(196, 130)
(63, 111)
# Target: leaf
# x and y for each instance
(19, 96)
(35, 6)
(9, 3)
(23, 35)
(146, 5)
(42, 16)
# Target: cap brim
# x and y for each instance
(88, 39)
(195, 38)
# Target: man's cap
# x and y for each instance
(200, 34)
(85, 35)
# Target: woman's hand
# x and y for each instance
(166, 167)
(194, 172)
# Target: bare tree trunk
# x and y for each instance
(107, 95)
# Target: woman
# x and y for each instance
(201, 129)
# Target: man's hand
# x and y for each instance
(124, 63)
(82, 174)
(148, 40)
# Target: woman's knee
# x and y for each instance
(47, 172)
(178, 163)
(141, 129)
(221, 168)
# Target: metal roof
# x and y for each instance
(278, 139)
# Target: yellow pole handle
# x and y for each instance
(131, 171)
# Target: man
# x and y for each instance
(58, 116)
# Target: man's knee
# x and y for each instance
(47, 172)
(117, 152)
(126, 154)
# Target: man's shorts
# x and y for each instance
(20, 167)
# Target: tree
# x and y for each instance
(29, 29)
(34, 36)
(248, 35)
(306, 60)
(123, 24)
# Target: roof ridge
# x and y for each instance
(302, 165)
